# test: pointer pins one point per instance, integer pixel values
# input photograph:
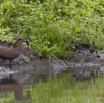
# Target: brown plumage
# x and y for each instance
(12, 53)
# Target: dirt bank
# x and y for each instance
(28, 61)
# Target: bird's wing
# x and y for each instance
(2, 49)
(8, 53)
(5, 49)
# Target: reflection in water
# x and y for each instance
(20, 83)
(84, 73)
(11, 85)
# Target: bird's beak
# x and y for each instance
(28, 42)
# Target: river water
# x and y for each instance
(16, 86)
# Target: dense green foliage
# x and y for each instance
(53, 24)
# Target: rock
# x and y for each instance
(21, 60)
(4, 72)
(57, 65)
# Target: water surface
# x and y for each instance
(62, 87)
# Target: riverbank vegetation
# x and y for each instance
(53, 25)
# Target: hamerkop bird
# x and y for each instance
(12, 53)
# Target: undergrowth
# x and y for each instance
(53, 24)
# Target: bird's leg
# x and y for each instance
(10, 64)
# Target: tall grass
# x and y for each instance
(53, 25)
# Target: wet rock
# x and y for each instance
(57, 65)
(4, 72)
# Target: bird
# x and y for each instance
(10, 54)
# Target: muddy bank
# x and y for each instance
(28, 61)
